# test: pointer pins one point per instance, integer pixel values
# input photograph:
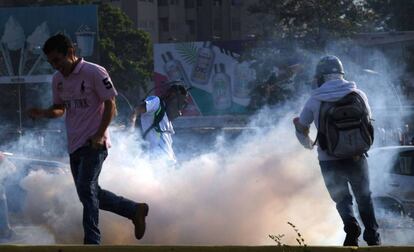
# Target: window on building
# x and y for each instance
(164, 25)
(191, 26)
(189, 4)
(162, 2)
(217, 2)
(235, 24)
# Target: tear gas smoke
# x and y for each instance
(227, 195)
(234, 192)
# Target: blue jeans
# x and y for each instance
(337, 174)
(86, 164)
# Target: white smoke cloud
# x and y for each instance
(235, 192)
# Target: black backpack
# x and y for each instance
(170, 105)
(345, 129)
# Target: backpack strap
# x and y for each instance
(158, 116)
(323, 108)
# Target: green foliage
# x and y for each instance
(126, 52)
(279, 72)
(392, 15)
(307, 24)
(313, 21)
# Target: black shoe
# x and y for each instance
(372, 237)
(353, 231)
(139, 220)
(351, 241)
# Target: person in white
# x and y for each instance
(159, 137)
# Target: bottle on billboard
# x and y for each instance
(242, 82)
(174, 69)
(203, 65)
(221, 88)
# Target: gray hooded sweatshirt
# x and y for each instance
(330, 91)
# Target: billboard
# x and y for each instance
(219, 83)
(24, 69)
(23, 31)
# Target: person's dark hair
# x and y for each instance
(59, 43)
(177, 88)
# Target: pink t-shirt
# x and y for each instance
(83, 94)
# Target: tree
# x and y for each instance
(392, 15)
(311, 21)
(126, 52)
(290, 26)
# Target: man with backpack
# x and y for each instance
(342, 115)
(156, 114)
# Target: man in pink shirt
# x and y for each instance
(84, 92)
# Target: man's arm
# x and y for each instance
(302, 134)
(108, 114)
(302, 125)
(54, 111)
(137, 111)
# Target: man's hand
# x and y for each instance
(302, 133)
(97, 141)
(55, 111)
(299, 127)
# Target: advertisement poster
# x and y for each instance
(219, 84)
(23, 31)
(25, 74)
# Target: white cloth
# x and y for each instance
(160, 143)
(330, 91)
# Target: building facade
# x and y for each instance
(200, 20)
(184, 20)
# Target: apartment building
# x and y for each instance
(197, 20)
(184, 20)
(191, 20)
